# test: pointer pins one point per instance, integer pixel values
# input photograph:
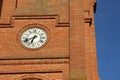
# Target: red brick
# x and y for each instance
(70, 52)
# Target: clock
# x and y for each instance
(33, 38)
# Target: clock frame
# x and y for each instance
(30, 26)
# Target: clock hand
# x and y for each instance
(27, 39)
(33, 38)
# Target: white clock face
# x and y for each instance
(34, 38)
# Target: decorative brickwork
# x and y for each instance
(70, 50)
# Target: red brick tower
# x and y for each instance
(47, 40)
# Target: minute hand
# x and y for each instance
(33, 38)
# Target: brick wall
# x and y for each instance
(70, 48)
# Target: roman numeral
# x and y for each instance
(30, 31)
(28, 44)
(39, 31)
(34, 30)
(37, 44)
(43, 37)
(33, 45)
(26, 33)
(42, 33)
(41, 41)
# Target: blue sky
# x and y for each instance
(107, 22)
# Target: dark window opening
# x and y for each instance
(31, 79)
(95, 6)
(1, 2)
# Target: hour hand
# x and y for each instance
(26, 40)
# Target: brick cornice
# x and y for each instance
(28, 17)
(33, 61)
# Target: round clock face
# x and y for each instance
(34, 38)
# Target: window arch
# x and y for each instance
(32, 77)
